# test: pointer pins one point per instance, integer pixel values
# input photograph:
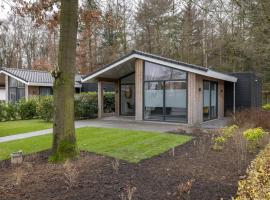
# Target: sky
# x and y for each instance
(5, 8)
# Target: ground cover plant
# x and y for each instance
(129, 145)
(257, 183)
(22, 126)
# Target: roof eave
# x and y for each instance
(208, 73)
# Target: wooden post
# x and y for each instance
(117, 94)
(26, 94)
(100, 99)
(7, 88)
(139, 89)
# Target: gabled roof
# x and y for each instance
(159, 60)
(34, 77)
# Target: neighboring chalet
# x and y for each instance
(22, 83)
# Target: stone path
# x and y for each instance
(103, 123)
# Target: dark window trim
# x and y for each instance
(143, 89)
(17, 88)
(51, 92)
(217, 92)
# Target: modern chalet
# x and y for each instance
(155, 88)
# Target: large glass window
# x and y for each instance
(153, 100)
(45, 91)
(16, 90)
(165, 93)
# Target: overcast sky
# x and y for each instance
(4, 8)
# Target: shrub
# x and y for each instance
(27, 109)
(219, 142)
(45, 108)
(11, 111)
(109, 100)
(254, 134)
(266, 106)
(257, 183)
(225, 133)
(2, 111)
(228, 131)
(86, 105)
(251, 118)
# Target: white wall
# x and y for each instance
(2, 94)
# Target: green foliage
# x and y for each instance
(86, 105)
(8, 111)
(45, 108)
(27, 109)
(11, 111)
(225, 133)
(228, 131)
(219, 142)
(254, 134)
(109, 99)
(266, 106)
(2, 111)
(42, 107)
(257, 183)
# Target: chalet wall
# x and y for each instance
(195, 97)
(139, 89)
(33, 90)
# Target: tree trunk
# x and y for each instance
(64, 139)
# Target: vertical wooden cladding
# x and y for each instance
(195, 97)
(191, 98)
(220, 99)
(139, 89)
(100, 99)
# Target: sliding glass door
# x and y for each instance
(165, 93)
(210, 100)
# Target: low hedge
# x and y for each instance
(42, 107)
(257, 183)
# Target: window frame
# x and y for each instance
(164, 98)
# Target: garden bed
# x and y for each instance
(210, 174)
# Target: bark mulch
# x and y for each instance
(194, 172)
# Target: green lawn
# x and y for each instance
(22, 126)
(132, 146)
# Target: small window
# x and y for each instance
(45, 91)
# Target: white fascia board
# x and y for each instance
(8, 74)
(208, 73)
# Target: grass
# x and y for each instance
(22, 126)
(132, 146)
